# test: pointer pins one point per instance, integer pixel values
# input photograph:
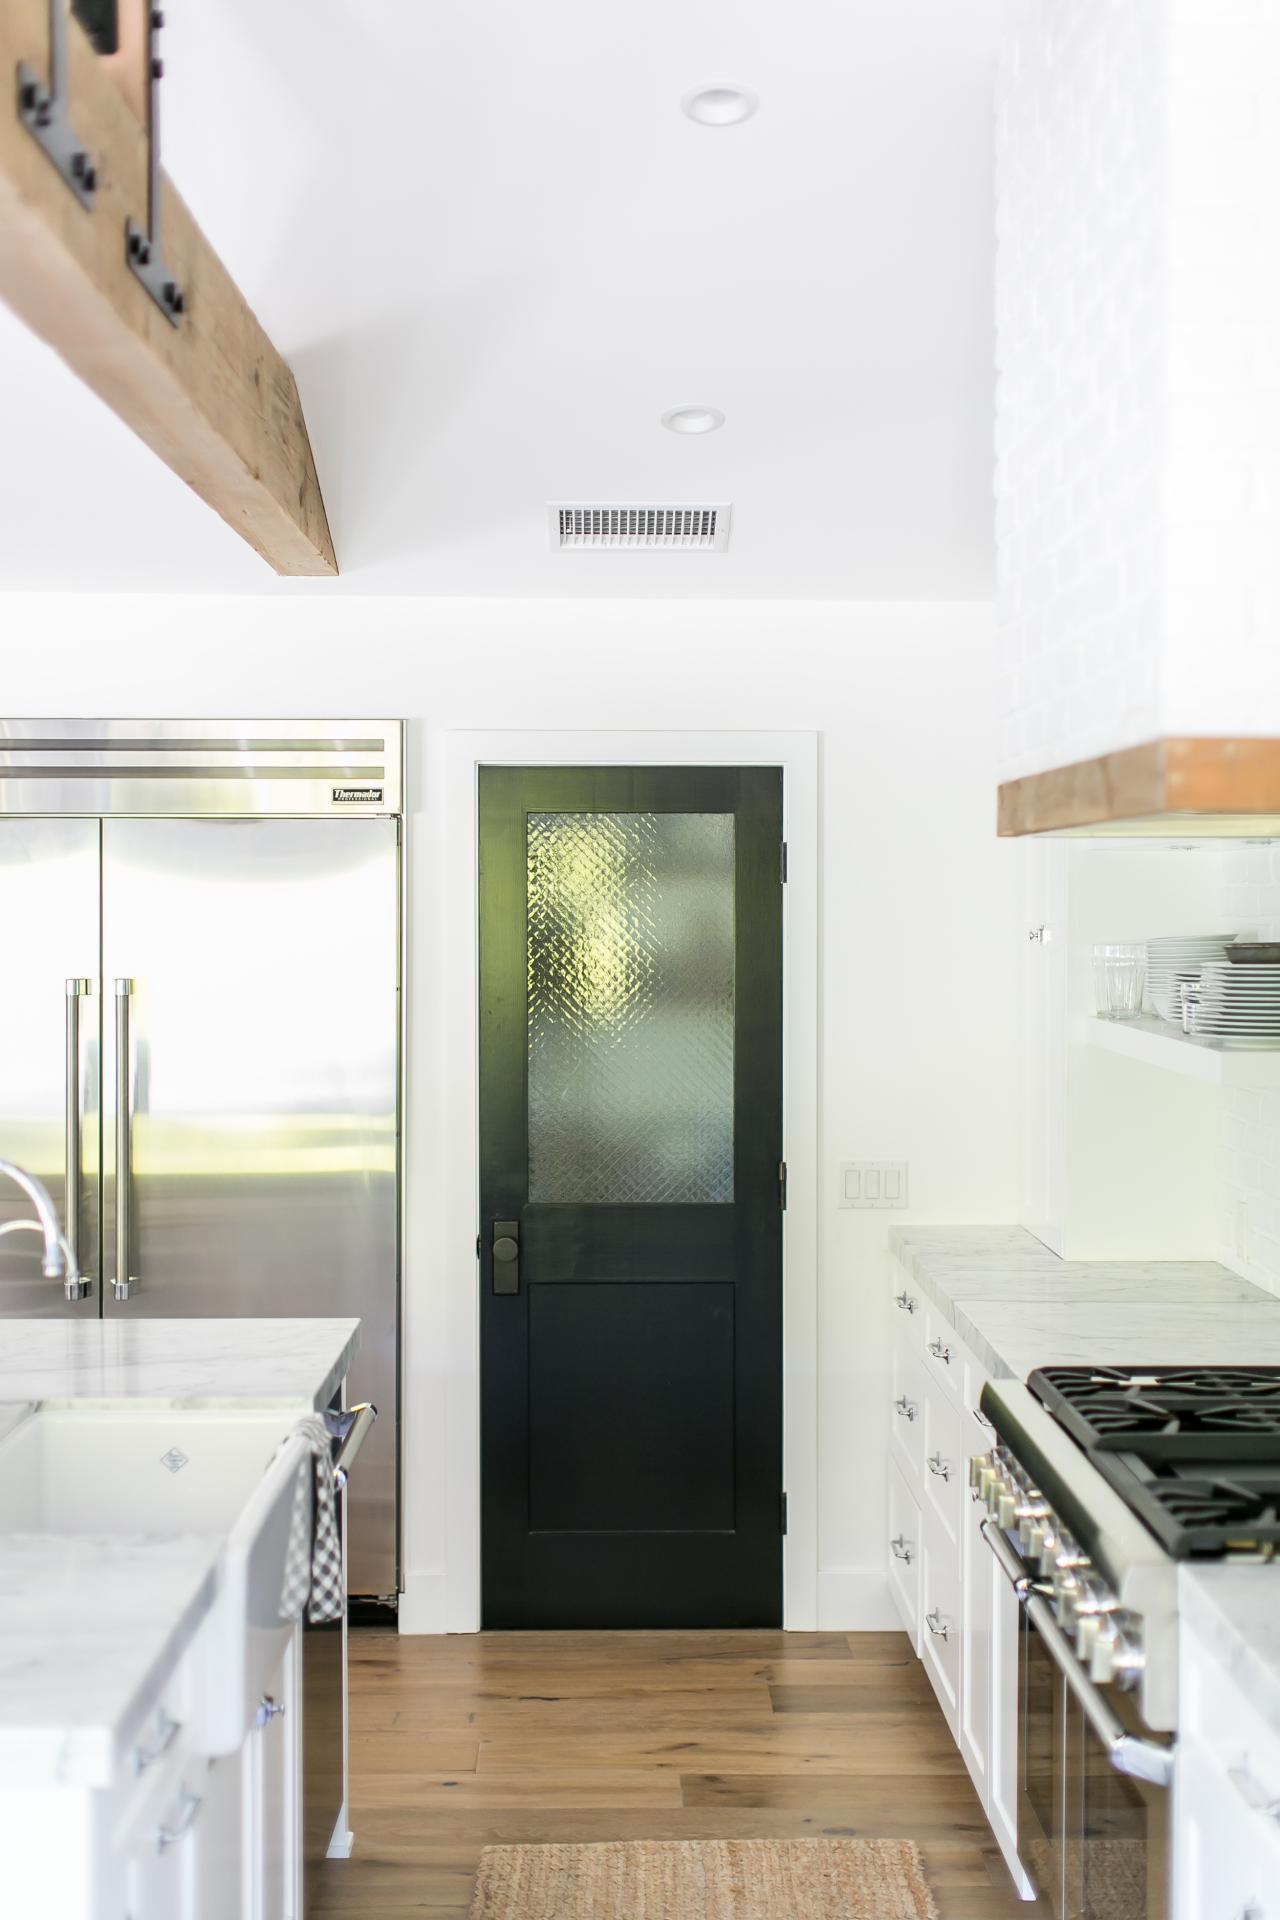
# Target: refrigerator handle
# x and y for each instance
(125, 1281)
(76, 990)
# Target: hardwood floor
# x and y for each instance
(476, 1739)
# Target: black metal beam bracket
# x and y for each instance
(44, 113)
(142, 249)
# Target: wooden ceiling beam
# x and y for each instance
(128, 64)
(211, 397)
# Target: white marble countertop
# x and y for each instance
(92, 1626)
(177, 1363)
(1017, 1306)
(1235, 1612)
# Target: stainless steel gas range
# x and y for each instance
(1101, 1480)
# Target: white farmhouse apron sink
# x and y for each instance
(162, 1470)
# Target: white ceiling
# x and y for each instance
(495, 252)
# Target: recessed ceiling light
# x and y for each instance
(720, 104)
(693, 419)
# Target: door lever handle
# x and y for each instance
(506, 1256)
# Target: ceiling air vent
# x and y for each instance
(582, 526)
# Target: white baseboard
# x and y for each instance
(850, 1600)
(855, 1600)
(424, 1605)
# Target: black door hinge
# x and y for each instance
(782, 863)
(479, 1245)
(782, 1185)
(782, 1512)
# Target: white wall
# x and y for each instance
(921, 934)
(1138, 390)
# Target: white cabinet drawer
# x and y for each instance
(906, 1417)
(161, 1870)
(944, 1353)
(908, 1307)
(1227, 1845)
(945, 1465)
(904, 1554)
(940, 1618)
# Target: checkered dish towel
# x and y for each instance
(313, 1565)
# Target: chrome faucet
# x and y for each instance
(59, 1261)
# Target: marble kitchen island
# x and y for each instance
(127, 1786)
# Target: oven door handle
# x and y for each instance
(1140, 1759)
(1010, 1564)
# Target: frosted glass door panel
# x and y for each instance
(631, 1007)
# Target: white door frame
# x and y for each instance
(446, 1598)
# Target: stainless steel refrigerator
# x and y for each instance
(200, 939)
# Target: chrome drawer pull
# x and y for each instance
(906, 1301)
(938, 1466)
(900, 1550)
(267, 1710)
(180, 1821)
(983, 1421)
(166, 1733)
(937, 1625)
(905, 1408)
(940, 1352)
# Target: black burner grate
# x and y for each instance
(1167, 1413)
(1193, 1510)
(1193, 1451)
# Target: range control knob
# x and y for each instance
(1115, 1657)
(1043, 1544)
(1067, 1555)
(1086, 1634)
(1091, 1597)
(978, 1465)
(1030, 1514)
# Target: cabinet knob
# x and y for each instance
(268, 1710)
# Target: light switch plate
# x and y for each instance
(873, 1183)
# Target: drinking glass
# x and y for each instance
(1119, 976)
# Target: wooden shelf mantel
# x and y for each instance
(1173, 787)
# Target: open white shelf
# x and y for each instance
(1160, 1044)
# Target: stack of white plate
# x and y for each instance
(1173, 957)
(1239, 1005)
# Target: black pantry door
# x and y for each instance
(631, 1192)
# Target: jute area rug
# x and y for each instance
(705, 1880)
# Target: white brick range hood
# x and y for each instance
(1138, 414)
